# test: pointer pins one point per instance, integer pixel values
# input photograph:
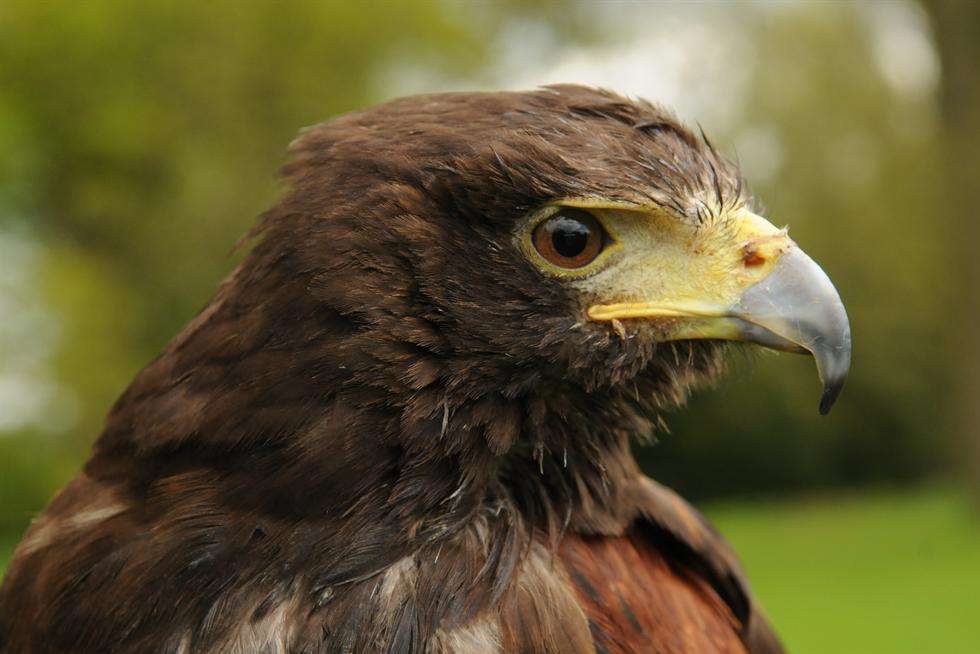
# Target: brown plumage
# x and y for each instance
(389, 432)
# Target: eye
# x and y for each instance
(570, 238)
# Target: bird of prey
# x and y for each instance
(403, 422)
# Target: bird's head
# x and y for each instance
(521, 241)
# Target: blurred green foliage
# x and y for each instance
(138, 141)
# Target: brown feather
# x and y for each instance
(636, 601)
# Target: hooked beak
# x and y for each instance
(798, 307)
(794, 307)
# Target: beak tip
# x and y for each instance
(831, 392)
(833, 364)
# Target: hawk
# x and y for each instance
(403, 422)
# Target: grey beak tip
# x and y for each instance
(830, 394)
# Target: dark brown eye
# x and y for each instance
(571, 238)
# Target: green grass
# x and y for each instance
(864, 573)
(895, 572)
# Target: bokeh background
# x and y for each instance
(138, 141)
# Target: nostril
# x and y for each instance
(757, 251)
(751, 256)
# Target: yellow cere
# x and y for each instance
(666, 267)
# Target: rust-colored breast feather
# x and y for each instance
(636, 601)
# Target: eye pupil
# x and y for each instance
(570, 238)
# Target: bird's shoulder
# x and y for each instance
(668, 583)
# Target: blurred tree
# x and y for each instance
(957, 27)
